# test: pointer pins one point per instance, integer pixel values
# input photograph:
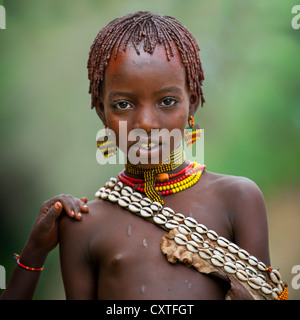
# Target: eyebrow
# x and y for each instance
(173, 89)
(169, 89)
(113, 94)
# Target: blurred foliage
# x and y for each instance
(250, 55)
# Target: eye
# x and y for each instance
(168, 102)
(121, 105)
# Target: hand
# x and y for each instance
(44, 234)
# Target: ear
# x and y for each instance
(194, 102)
(100, 111)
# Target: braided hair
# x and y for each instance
(149, 29)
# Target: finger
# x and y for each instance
(77, 210)
(82, 205)
(53, 212)
(84, 199)
(68, 206)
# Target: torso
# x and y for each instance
(126, 249)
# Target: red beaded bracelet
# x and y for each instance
(17, 257)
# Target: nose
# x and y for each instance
(146, 118)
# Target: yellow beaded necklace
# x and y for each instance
(158, 174)
(175, 160)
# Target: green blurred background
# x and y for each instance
(250, 55)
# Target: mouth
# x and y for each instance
(148, 146)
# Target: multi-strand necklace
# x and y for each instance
(180, 181)
(160, 181)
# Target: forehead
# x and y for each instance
(145, 69)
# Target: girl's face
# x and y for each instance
(148, 92)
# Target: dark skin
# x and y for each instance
(43, 238)
(113, 254)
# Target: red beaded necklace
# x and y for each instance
(184, 179)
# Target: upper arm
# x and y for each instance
(79, 277)
(250, 219)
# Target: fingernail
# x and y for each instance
(79, 214)
(57, 205)
(72, 213)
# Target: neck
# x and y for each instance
(140, 175)
(172, 163)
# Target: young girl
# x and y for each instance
(145, 71)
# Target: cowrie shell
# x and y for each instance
(136, 197)
(251, 271)
(279, 286)
(275, 276)
(114, 196)
(275, 294)
(146, 212)
(217, 260)
(192, 246)
(252, 261)
(266, 288)
(124, 202)
(205, 254)
(197, 237)
(160, 219)
(182, 228)
(126, 191)
(167, 212)
(212, 235)
(155, 206)
(261, 266)
(242, 275)
(98, 194)
(120, 184)
(229, 257)
(243, 254)
(179, 217)
(117, 187)
(206, 244)
(240, 264)
(105, 193)
(190, 222)
(135, 207)
(233, 248)
(255, 283)
(181, 239)
(262, 277)
(171, 224)
(145, 202)
(201, 229)
(219, 251)
(222, 242)
(112, 182)
(229, 267)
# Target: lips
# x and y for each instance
(148, 145)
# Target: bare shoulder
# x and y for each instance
(245, 204)
(235, 189)
(97, 216)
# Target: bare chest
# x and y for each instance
(130, 262)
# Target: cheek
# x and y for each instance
(177, 119)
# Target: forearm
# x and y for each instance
(23, 282)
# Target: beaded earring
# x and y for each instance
(192, 132)
(107, 144)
